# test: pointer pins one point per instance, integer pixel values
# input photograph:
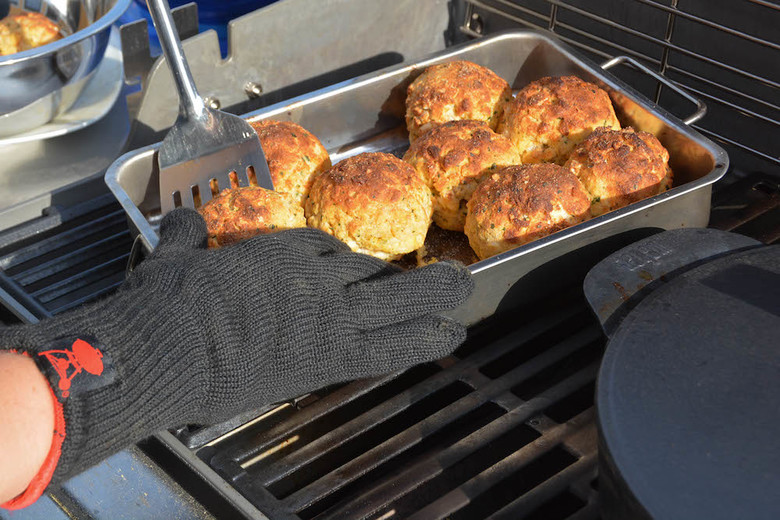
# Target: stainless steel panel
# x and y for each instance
(288, 45)
(366, 114)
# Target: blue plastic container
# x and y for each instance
(212, 14)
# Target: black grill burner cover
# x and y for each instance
(688, 396)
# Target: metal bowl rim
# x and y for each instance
(101, 24)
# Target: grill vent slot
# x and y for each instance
(572, 405)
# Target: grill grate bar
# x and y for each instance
(670, 20)
(750, 207)
(759, 230)
(620, 48)
(248, 448)
(251, 447)
(722, 87)
(380, 454)
(63, 239)
(67, 261)
(459, 498)
(401, 402)
(724, 139)
(651, 39)
(708, 23)
(570, 41)
(764, 3)
(357, 426)
(548, 490)
(745, 111)
(91, 294)
(397, 485)
(73, 282)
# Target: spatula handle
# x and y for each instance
(190, 103)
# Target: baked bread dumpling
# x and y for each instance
(27, 30)
(10, 39)
(453, 158)
(454, 91)
(618, 167)
(240, 213)
(523, 203)
(550, 116)
(373, 202)
(294, 156)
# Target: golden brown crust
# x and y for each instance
(550, 116)
(10, 39)
(27, 30)
(519, 204)
(619, 167)
(453, 91)
(241, 213)
(294, 156)
(373, 202)
(453, 157)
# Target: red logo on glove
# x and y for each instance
(68, 363)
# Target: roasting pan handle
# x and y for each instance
(701, 108)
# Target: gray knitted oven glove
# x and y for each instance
(196, 336)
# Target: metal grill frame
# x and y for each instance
(769, 111)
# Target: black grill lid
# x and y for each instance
(688, 396)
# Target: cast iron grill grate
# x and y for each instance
(724, 52)
(503, 428)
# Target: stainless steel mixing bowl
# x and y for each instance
(37, 84)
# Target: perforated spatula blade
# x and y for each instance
(206, 147)
(197, 162)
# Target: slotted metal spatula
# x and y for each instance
(205, 146)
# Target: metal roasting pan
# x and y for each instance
(366, 114)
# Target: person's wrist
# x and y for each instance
(30, 432)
